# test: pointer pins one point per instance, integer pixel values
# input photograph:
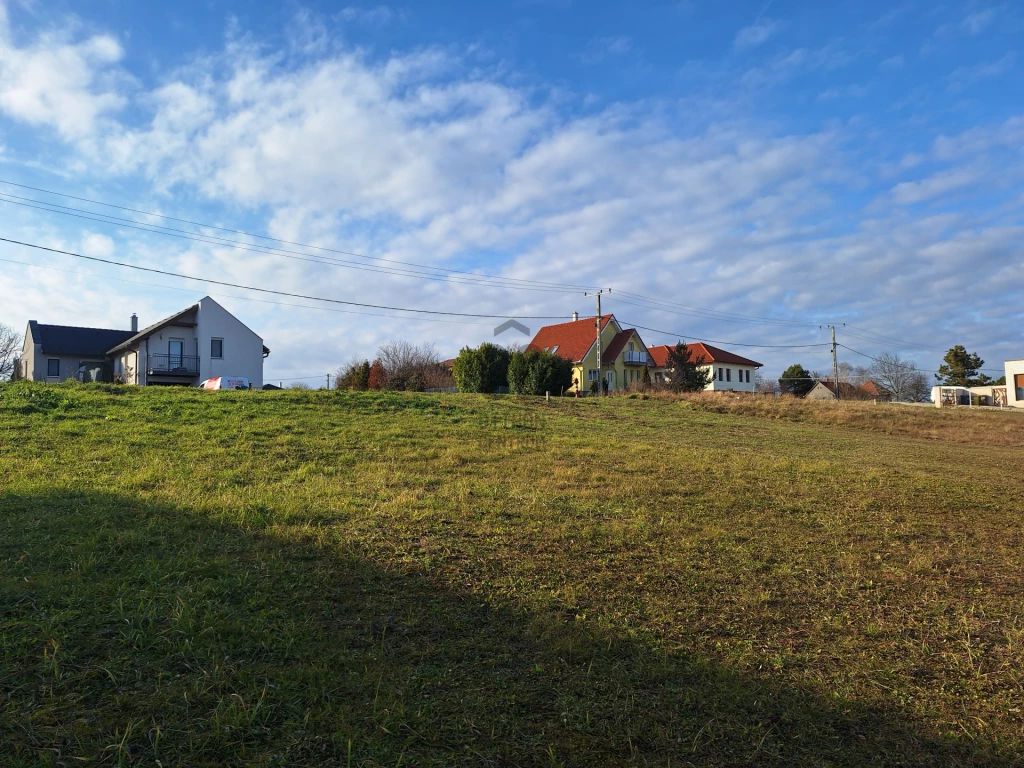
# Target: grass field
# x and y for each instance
(361, 579)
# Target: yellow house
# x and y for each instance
(623, 353)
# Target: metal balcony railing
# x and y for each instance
(174, 365)
(636, 358)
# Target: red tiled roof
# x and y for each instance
(874, 390)
(573, 339)
(697, 349)
(616, 345)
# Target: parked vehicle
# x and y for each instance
(227, 382)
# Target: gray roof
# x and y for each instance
(133, 337)
(71, 340)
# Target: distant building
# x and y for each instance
(729, 372)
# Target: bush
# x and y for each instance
(355, 376)
(377, 378)
(408, 366)
(483, 369)
(536, 372)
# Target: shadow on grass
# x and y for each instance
(134, 633)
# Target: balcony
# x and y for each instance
(635, 357)
(173, 365)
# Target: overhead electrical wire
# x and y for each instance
(275, 292)
(728, 343)
(713, 313)
(919, 370)
(701, 314)
(325, 249)
(242, 298)
(256, 248)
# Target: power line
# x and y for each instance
(255, 248)
(279, 240)
(277, 293)
(920, 370)
(242, 298)
(717, 314)
(728, 343)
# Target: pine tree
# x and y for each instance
(687, 375)
(960, 369)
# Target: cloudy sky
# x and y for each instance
(744, 171)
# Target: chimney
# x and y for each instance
(575, 316)
(135, 323)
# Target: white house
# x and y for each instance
(729, 372)
(1014, 383)
(200, 342)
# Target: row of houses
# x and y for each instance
(205, 341)
(624, 356)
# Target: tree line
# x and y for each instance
(900, 377)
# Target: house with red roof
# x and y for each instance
(623, 353)
(729, 372)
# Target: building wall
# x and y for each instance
(1015, 386)
(820, 392)
(30, 352)
(732, 371)
(589, 363)
(69, 365)
(735, 385)
(243, 349)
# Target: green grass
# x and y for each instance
(312, 578)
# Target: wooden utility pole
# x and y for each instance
(835, 361)
(597, 322)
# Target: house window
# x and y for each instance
(728, 374)
(748, 377)
(216, 348)
(720, 375)
(53, 368)
(592, 374)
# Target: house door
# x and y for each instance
(610, 378)
(177, 352)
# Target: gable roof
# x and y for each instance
(874, 389)
(697, 349)
(150, 330)
(846, 390)
(618, 343)
(73, 340)
(571, 340)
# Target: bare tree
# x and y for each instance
(919, 389)
(765, 386)
(856, 375)
(408, 366)
(9, 348)
(900, 377)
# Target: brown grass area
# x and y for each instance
(979, 426)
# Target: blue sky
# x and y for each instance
(805, 163)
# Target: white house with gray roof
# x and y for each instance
(200, 342)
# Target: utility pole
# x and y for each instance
(835, 360)
(597, 323)
(329, 379)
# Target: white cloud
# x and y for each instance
(602, 48)
(94, 244)
(756, 34)
(976, 23)
(963, 77)
(890, 64)
(377, 15)
(60, 83)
